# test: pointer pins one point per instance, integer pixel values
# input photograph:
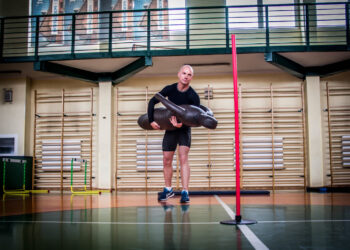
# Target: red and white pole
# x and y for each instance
(235, 98)
(238, 218)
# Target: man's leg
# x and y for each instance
(168, 175)
(184, 149)
(185, 167)
(168, 167)
(168, 147)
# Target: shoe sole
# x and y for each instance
(185, 201)
(167, 197)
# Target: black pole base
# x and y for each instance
(238, 221)
(242, 222)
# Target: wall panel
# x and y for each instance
(64, 120)
(337, 127)
(273, 112)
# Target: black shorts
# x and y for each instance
(180, 136)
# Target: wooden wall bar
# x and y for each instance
(274, 113)
(62, 120)
(337, 127)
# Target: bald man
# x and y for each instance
(179, 93)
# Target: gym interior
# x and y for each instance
(77, 171)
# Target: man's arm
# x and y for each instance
(150, 109)
(150, 112)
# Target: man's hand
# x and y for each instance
(173, 121)
(155, 125)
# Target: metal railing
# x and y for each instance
(181, 31)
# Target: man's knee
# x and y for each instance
(167, 159)
(183, 160)
(183, 154)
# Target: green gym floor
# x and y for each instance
(285, 220)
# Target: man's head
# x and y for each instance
(185, 75)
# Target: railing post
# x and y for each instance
(260, 14)
(267, 29)
(110, 30)
(347, 24)
(227, 23)
(73, 34)
(2, 29)
(307, 25)
(148, 32)
(36, 43)
(187, 29)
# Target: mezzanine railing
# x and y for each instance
(194, 30)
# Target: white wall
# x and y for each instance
(13, 115)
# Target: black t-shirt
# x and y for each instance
(179, 98)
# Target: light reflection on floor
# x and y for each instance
(137, 221)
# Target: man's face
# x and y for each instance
(185, 75)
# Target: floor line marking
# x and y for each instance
(301, 221)
(251, 237)
(110, 222)
(165, 223)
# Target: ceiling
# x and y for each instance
(162, 66)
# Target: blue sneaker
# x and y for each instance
(184, 197)
(166, 194)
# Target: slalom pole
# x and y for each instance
(71, 175)
(238, 217)
(237, 149)
(85, 166)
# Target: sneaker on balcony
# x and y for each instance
(166, 194)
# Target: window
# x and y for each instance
(90, 8)
(245, 16)
(330, 14)
(281, 16)
(161, 16)
(8, 145)
(254, 16)
(54, 22)
(177, 17)
(125, 16)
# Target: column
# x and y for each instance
(104, 146)
(315, 138)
